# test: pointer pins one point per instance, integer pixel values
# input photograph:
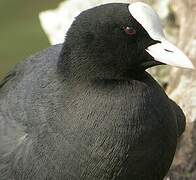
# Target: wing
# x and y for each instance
(19, 92)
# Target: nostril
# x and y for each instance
(169, 50)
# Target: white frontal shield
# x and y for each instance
(164, 51)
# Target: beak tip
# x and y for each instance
(185, 66)
(190, 66)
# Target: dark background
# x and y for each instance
(20, 31)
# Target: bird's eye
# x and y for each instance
(130, 31)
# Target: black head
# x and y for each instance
(107, 42)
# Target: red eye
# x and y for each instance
(130, 31)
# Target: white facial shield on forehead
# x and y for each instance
(165, 51)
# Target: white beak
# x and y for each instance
(164, 51)
(167, 53)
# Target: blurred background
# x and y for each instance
(29, 26)
(20, 31)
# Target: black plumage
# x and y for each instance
(87, 109)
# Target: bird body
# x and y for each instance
(94, 133)
(71, 113)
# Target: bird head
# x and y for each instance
(119, 40)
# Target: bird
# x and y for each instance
(87, 109)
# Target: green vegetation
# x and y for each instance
(20, 32)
